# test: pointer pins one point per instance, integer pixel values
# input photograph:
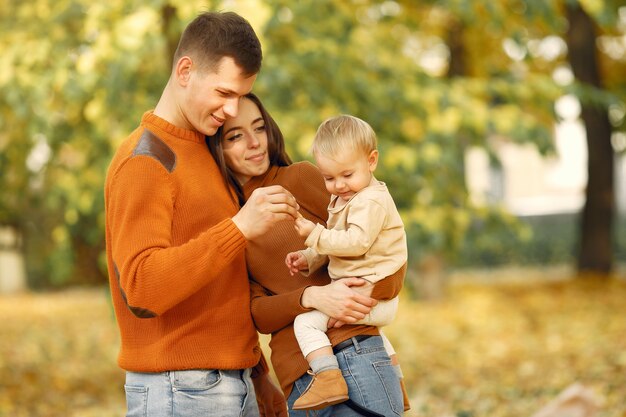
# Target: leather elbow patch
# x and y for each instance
(142, 313)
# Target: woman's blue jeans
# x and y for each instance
(194, 393)
(372, 382)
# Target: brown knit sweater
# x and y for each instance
(276, 294)
(176, 260)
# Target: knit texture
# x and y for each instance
(276, 294)
(175, 256)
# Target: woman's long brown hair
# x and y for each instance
(275, 148)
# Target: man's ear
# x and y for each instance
(183, 70)
(372, 159)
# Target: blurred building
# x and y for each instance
(12, 271)
(529, 184)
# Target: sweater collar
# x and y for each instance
(259, 181)
(162, 126)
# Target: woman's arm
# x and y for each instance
(339, 299)
(382, 290)
(272, 312)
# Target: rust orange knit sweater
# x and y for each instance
(176, 260)
(276, 294)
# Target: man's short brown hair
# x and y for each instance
(214, 35)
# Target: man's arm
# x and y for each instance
(145, 260)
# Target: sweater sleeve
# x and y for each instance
(148, 267)
(364, 221)
(272, 312)
(314, 261)
(390, 286)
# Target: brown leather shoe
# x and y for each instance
(326, 388)
(405, 395)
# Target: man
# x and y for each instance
(175, 240)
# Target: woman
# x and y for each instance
(251, 153)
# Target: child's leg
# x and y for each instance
(310, 330)
(382, 314)
(328, 386)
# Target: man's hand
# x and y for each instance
(265, 207)
(340, 300)
(269, 398)
(296, 262)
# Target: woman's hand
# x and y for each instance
(365, 289)
(340, 299)
(270, 399)
(296, 262)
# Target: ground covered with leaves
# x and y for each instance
(506, 350)
(500, 350)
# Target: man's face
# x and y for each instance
(210, 97)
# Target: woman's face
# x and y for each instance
(244, 142)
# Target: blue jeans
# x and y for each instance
(194, 393)
(372, 382)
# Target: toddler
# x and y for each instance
(364, 238)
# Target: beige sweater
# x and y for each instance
(365, 237)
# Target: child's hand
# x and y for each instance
(296, 261)
(304, 227)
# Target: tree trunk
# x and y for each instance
(430, 279)
(457, 66)
(86, 270)
(168, 17)
(596, 243)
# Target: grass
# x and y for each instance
(484, 350)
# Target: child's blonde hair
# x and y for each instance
(343, 133)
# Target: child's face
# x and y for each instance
(347, 174)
